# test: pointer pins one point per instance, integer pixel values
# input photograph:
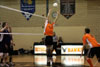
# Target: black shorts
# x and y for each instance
(94, 51)
(3, 48)
(49, 40)
(54, 45)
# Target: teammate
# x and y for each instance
(48, 32)
(4, 46)
(10, 46)
(90, 40)
(6, 43)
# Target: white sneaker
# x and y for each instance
(50, 62)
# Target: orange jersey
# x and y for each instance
(90, 40)
(48, 30)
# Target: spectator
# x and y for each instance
(60, 41)
(43, 41)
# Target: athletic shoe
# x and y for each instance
(51, 63)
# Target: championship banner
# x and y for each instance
(28, 8)
(67, 8)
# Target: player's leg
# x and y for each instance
(6, 55)
(49, 54)
(48, 42)
(47, 49)
(90, 55)
(97, 52)
(89, 61)
(1, 61)
(3, 51)
(10, 56)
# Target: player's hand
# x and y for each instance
(6, 46)
(5, 27)
(58, 12)
(13, 44)
(50, 9)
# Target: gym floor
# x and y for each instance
(58, 61)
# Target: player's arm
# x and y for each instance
(84, 43)
(3, 29)
(48, 14)
(12, 42)
(82, 49)
(56, 17)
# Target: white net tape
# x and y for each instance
(24, 33)
(13, 9)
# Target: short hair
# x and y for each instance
(87, 30)
(4, 24)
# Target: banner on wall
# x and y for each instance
(41, 49)
(71, 49)
(28, 6)
(67, 8)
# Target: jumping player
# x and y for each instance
(48, 32)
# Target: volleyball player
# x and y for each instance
(4, 46)
(90, 40)
(10, 46)
(48, 32)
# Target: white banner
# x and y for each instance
(71, 49)
(41, 49)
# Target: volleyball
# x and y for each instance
(55, 4)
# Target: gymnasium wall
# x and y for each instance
(70, 34)
(87, 15)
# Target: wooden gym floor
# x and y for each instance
(58, 61)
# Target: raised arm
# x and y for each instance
(48, 14)
(56, 17)
(3, 29)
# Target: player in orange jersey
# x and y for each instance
(90, 40)
(48, 32)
